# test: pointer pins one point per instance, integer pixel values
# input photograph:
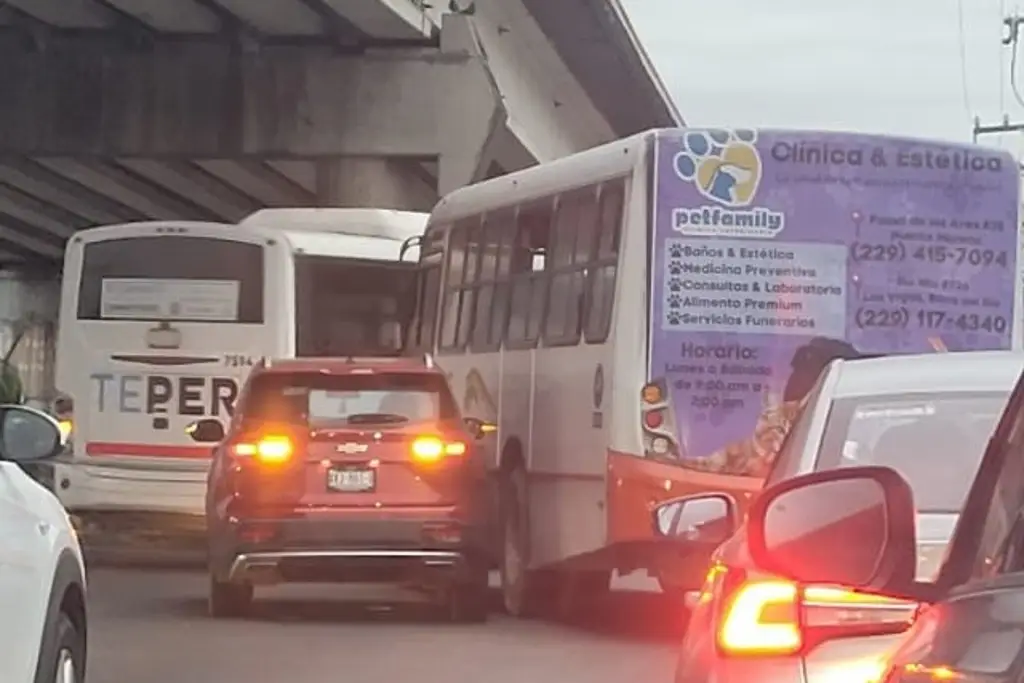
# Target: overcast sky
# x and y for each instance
(891, 66)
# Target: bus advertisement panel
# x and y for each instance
(774, 252)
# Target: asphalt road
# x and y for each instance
(151, 627)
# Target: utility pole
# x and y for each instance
(1010, 37)
(1004, 127)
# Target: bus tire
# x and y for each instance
(516, 589)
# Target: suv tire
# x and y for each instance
(467, 604)
(228, 600)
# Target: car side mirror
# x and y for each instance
(28, 435)
(853, 527)
(207, 430)
(707, 519)
(478, 428)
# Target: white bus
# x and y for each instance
(160, 322)
(642, 321)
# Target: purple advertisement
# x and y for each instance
(775, 252)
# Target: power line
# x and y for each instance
(962, 40)
(1002, 65)
(1012, 39)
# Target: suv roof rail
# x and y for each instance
(428, 360)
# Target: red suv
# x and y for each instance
(346, 470)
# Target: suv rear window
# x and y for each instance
(324, 401)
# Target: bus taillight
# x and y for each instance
(657, 421)
(653, 419)
(63, 411)
(652, 394)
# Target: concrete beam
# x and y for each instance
(387, 19)
(263, 184)
(173, 17)
(66, 13)
(37, 181)
(136, 193)
(200, 188)
(276, 18)
(37, 213)
(22, 238)
(382, 183)
(300, 172)
(190, 100)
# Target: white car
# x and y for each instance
(42, 573)
(929, 417)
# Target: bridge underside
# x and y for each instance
(121, 110)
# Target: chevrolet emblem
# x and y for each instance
(352, 448)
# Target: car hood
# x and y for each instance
(934, 531)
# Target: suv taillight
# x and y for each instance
(430, 449)
(770, 617)
(270, 449)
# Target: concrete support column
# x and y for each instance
(356, 182)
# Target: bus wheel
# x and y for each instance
(516, 589)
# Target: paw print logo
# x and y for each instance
(676, 251)
(675, 268)
(675, 301)
(675, 317)
(675, 285)
(723, 165)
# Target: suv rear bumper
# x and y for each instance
(349, 565)
(345, 550)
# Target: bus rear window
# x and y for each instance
(200, 279)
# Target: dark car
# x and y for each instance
(346, 470)
(853, 531)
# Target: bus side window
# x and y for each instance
(603, 270)
(528, 276)
(470, 278)
(452, 286)
(422, 338)
(496, 226)
(575, 226)
(502, 286)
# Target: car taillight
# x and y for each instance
(271, 449)
(432, 449)
(767, 617)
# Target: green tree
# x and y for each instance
(11, 389)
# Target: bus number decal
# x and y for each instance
(191, 396)
(236, 360)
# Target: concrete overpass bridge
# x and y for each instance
(117, 110)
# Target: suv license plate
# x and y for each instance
(351, 480)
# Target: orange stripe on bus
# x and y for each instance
(146, 450)
(637, 485)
